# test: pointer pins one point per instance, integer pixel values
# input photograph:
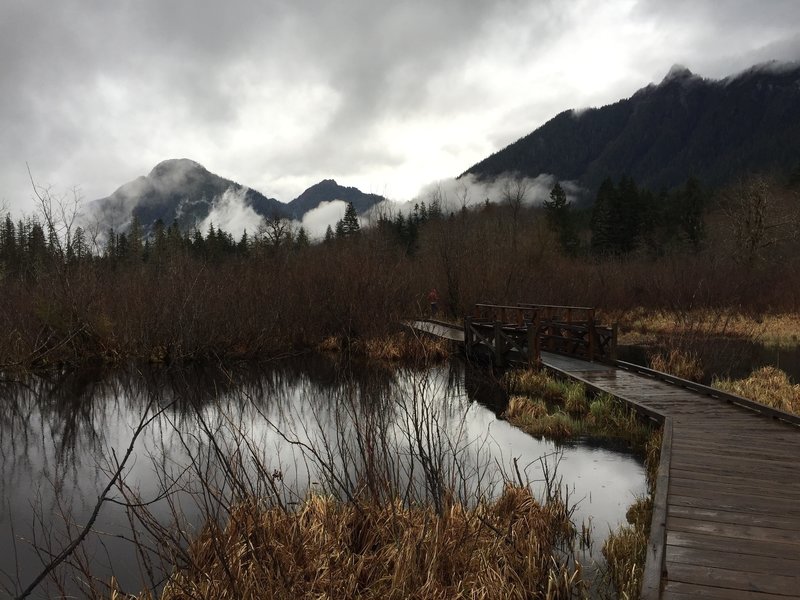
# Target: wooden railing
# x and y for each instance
(522, 331)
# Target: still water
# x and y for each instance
(278, 431)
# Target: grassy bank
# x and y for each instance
(542, 405)
(766, 385)
(648, 326)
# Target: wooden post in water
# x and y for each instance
(499, 345)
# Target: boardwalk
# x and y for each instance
(727, 509)
(732, 503)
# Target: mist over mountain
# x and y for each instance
(684, 126)
(183, 190)
(179, 190)
(328, 190)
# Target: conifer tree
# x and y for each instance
(302, 238)
(350, 225)
(560, 218)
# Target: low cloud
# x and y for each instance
(230, 213)
(468, 191)
(316, 220)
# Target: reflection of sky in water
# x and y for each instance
(62, 435)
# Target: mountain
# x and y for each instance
(176, 190)
(183, 190)
(328, 190)
(684, 126)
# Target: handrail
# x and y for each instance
(763, 409)
(522, 304)
(654, 562)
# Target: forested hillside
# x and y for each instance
(684, 127)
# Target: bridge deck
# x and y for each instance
(732, 499)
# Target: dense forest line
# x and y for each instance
(177, 295)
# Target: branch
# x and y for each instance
(67, 552)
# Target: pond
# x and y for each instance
(282, 430)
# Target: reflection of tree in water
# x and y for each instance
(67, 428)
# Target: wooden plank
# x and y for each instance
(734, 579)
(776, 519)
(734, 500)
(724, 558)
(679, 591)
(788, 539)
(735, 503)
(679, 474)
(717, 543)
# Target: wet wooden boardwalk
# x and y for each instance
(730, 522)
(726, 520)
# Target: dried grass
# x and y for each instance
(625, 551)
(403, 346)
(680, 363)
(332, 549)
(766, 385)
(646, 326)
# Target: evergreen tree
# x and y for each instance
(243, 247)
(340, 230)
(8, 244)
(602, 225)
(111, 244)
(561, 220)
(135, 238)
(435, 208)
(350, 223)
(329, 234)
(302, 238)
(692, 207)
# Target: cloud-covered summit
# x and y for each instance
(384, 95)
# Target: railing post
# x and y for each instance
(613, 343)
(534, 351)
(468, 336)
(592, 333)
(499, 345)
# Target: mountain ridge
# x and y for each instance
(664, 133)
(185, 191)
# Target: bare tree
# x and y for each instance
(759, 217)
(59, 213)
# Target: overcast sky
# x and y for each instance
(383, 95)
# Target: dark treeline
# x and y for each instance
(172, 295)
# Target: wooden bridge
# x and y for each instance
(726, 514)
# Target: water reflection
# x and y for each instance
(277, 431)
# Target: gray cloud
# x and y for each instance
(384, 95)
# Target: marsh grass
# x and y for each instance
(403, 346)
(545, 406)
(625, 550)
(767, 385)
(680, 363)
(332, 549)
(399, 347)
(681, 328)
